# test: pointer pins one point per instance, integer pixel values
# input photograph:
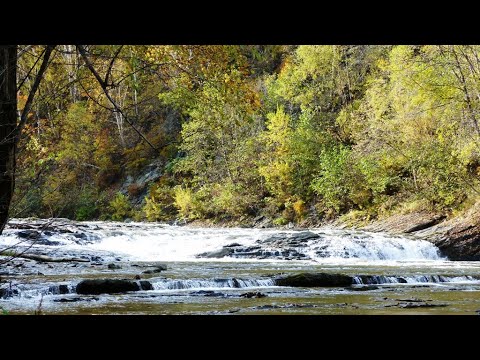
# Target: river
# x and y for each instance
(391, 274)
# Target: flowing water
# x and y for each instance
(391, 274)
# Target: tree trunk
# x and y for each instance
(8, 123)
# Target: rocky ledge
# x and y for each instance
(457, 238)
(279, 246)
(314, 280)
(111, 286)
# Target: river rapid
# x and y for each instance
(229, 271)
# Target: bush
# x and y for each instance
(86, 212)
(231, 200)
(152, 209)
(184, 201)
(86, 207)
(159, 205)
(333, 182)
(300, 209)
(280, 221)
(121, 207)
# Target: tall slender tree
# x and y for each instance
(8, 124)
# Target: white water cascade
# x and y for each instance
(158, 242)
(338, 244)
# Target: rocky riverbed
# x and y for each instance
(156, 268)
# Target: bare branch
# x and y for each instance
(110, 66)
(89, 64)
(31, 95)
(30, 70)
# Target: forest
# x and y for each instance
(226, 134)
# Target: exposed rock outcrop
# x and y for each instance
(282, 246)
(110, 286)
(314, 280)
(457, 238)
(406, 223)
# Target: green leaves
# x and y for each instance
(121, 207)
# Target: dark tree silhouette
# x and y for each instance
(10, 128)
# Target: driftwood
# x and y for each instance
(43, 258)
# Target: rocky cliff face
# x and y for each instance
(141, 182)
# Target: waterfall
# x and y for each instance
(371, 247)
(161, 242)
(211, 284)
(412, 279)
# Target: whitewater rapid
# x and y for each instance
(229, 270)
(160, 242)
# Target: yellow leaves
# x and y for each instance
(469, 153)
(21, 100)
(184, 201)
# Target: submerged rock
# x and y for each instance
(113, 266)
(209, 293)
(410, 305)
(362, 288)
(314, 280)
(152, 271)
(160, 266)
(76, 299)
(108, 286)
(8, 292)
(253, 294)
(283, 306)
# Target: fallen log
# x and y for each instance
(43, 258)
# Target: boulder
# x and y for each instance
(160, 266)
(63, 289)
(106, 286)
(113, 266)
(314, 280)
(217, 253)
(58, 289)
(29, 234)
(304, 236)
(146, 285)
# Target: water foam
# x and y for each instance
(158, 242)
